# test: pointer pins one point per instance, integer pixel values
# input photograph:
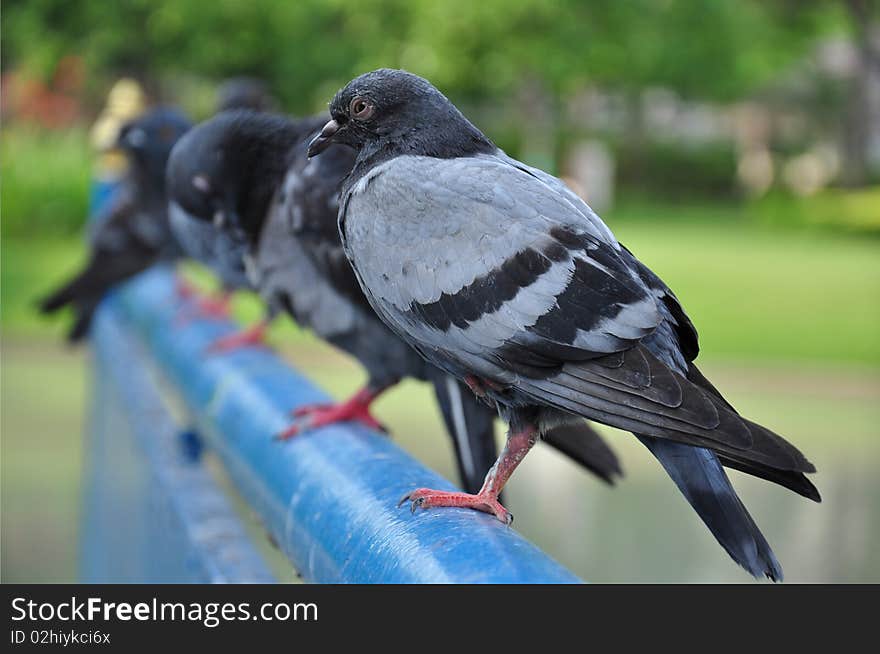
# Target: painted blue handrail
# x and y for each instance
(328, 497)
(151, 511)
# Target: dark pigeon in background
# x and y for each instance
(216, 249)
(221, 250)
(257, 166)
(134, 233)
(499, 274)
(245, 93)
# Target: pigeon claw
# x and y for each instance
(287, 434)
(425, 498)
(183, 289)
(252, 337)
(206, 308)
(313, 416)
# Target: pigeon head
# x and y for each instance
(226, 169)
(387, 113)
(147, 142)
(245, 93)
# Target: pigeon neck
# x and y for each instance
(452, 140)
(263, 174)
(149, 185)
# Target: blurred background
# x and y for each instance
(733, 145)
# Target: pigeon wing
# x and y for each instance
(540, 297)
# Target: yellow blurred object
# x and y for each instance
(125, 102)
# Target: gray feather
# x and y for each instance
(214, 248)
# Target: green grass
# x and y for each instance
(855, 210)
(762, 292)
(42, 393)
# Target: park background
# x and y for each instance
(733, 145)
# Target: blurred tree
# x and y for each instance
(711, 49)
(856, 126)
(514, 63)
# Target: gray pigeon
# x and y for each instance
(497, 273)
(257, 172)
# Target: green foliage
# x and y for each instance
(671, 171)
(46, 179)
(503, 60)
(307, 49)
(29, 270)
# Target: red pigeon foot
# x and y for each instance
(519, 442)
(355, 409)
(183, 288)
(254, 336)
(207, 308)
(425, 498)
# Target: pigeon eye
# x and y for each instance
(361, 108)
(136, 137)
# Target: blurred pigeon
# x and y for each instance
(499, 274)
(134, 232)
(245, 93)
(220, 250)
(258, 173)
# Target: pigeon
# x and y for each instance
(257, 172)
(499, 274)
(245, 93)
(217, 249)
(221, 251)
(134, 232)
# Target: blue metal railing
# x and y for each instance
(151, 511)
(328, 498)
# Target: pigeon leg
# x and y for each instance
(480, 387)
(253, 336)
(354, 409)
(518, 445)
(476, 386)
(214, 306)
(208, 308)
(183, 288)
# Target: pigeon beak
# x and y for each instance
(219, 219)
(323, 140)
